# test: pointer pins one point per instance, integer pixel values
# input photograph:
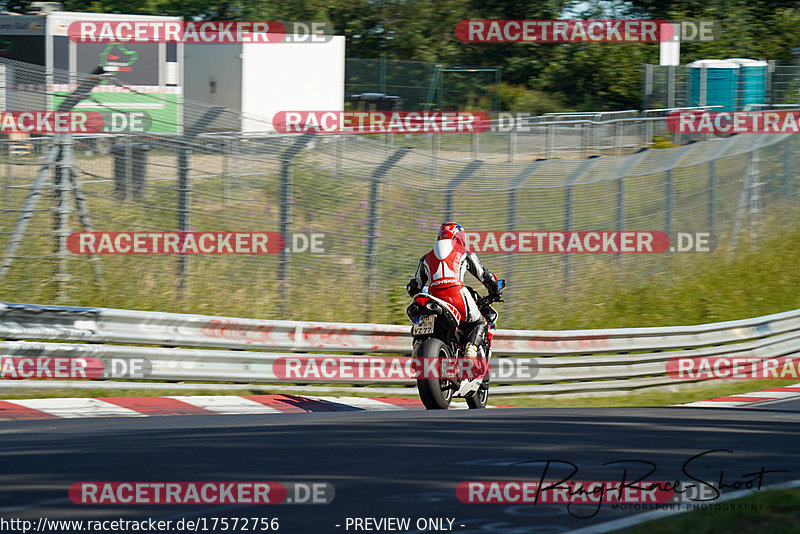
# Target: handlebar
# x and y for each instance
(489, 299)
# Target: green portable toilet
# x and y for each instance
(720, 87)
(752, 81)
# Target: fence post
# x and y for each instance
(568, 211)
(338, 141)
(671, 86)
(512, 145)
(751, 178)
(184, 187)
(669, 199)
(712, 195)
(61, 189)
(568, 202)
(647, 86)
(585, 129)
(548, 142)
(372, 232)
(9, 166)
(287, 158)
(787, 169)
(434, 155)
(475, 147)
(226, 188)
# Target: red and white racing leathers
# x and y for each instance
(442, 270)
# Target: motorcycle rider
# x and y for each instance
(443, 269)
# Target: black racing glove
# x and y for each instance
(491, 284)
(412, 287)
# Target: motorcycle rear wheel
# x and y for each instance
(435, 394)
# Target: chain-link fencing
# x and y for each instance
(355, 212)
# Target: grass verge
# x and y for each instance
(655, 397)
(773, 511)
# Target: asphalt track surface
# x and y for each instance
(389, 464)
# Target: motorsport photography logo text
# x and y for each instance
(636, 489)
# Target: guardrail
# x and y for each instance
(184, 347)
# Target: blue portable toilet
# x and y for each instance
(720, 87)
(752, 82)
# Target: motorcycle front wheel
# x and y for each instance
(435, 394)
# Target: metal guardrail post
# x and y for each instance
(548, 141)
(374, 198)
(287, 159)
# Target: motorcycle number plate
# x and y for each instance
(424, 325)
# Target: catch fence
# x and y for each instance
(357, 212)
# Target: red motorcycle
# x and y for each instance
(439, 342)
